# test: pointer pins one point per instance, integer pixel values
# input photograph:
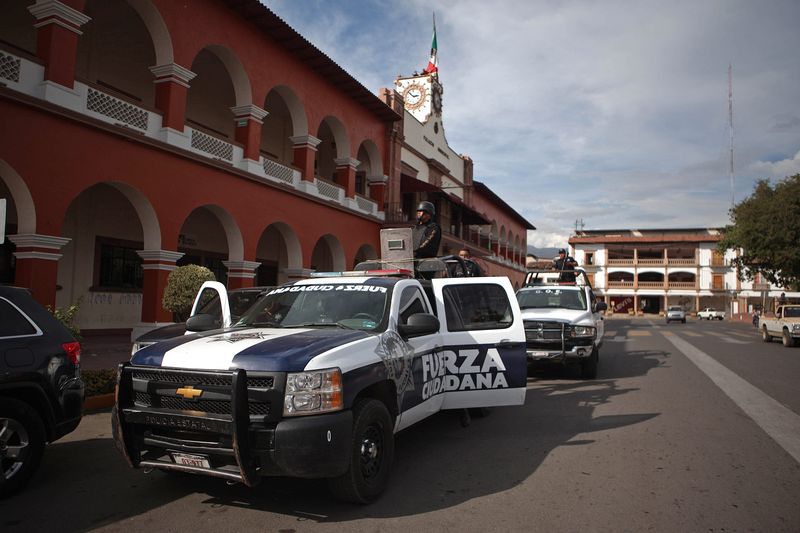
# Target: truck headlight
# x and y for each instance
(582, 331)
(795, 326)
(314, 392)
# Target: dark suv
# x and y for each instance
(41, 391)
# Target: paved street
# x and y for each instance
(689, 427)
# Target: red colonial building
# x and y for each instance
(140, 135)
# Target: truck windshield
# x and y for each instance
(551, 298)
(355, 306)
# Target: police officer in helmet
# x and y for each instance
(427, 233)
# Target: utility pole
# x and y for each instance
(730, 127)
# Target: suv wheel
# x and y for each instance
(22, 439)
(765, 336)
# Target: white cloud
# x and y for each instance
(613, 112)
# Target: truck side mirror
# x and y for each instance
(599, 307)
(202, 322)
(419, 324)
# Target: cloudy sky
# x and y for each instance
(613, 112)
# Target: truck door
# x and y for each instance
(483, 343)
(416, 401)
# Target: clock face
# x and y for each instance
(414, 96)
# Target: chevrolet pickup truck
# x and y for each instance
(785, 324)
(563, 320)
(317, 377)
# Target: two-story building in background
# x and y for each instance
(647, 270)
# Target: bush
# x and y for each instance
(67, 317)
(182, 286)
(99, 381)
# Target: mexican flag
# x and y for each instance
(433, 62)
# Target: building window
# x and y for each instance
(120, 267)
(589, 258)
(361, 182)
(717, 282)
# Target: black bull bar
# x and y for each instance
(236, 425)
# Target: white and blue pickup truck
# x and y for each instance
(317, 377)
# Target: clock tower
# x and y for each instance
(422, 94)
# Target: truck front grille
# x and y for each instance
(198, 392)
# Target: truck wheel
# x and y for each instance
(787, 339)
(22, 439)
(765, 336)
(589, 365)
(372, 452)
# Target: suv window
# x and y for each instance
(475, 307)
(13, 322)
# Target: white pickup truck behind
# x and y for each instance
(710, 313)
(785, 325)
(315, 379)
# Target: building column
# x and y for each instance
(305, 152)
(58, 28)
(241, 273)
(249, 119)
(377, 190)
(346, 174)
(172, 86)
(157, 264)
(37, 264)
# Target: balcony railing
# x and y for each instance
(621, 262)
(26, 76)
(651, 284)
(650, 262)
(682, 285)
(681, 261)
(620, 284)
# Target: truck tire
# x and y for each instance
(765, 336)
(371, 456)
(787, 339)
(22, 440)
(589, 365)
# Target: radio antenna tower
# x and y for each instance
(730, 127)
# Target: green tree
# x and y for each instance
(766, 228)
(182, 286)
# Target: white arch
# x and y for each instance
(373, 165)
(294, 251)
(236, 71)
(23, 201)
(151, 230)
(296, 110)
(339, 135)
(162, 41)
(232, 231)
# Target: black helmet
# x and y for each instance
(562, 251)
(427, 207)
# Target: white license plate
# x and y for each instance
(200, 461)
(538, 354)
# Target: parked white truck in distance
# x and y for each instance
(710, 313)
(785, 324)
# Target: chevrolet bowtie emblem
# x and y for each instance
(189, 392)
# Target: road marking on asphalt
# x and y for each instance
(618, 338)
(639, 333)
(692, 334)
(610, 333)
(778, 421)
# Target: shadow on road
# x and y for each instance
(86, 484)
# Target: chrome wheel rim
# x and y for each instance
(14, 446)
